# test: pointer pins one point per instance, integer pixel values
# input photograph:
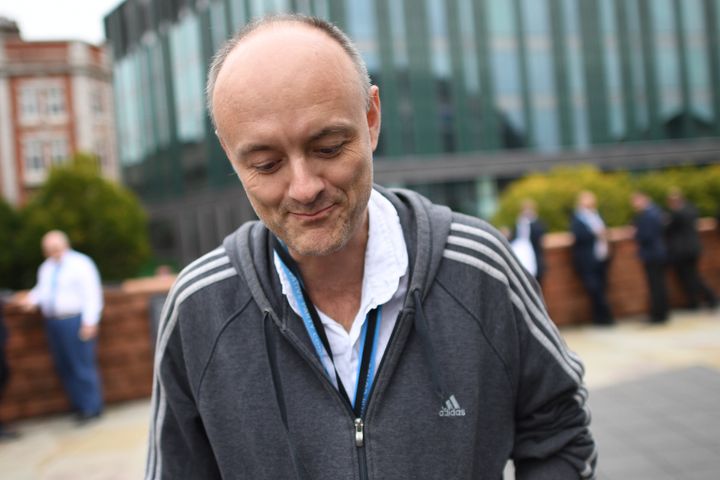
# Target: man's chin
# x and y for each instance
(318, 245)
(319, 249)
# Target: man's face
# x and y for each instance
(294, 123)
(639, 202)
(53, 246)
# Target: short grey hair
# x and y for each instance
(331, 30)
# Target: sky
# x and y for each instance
(59, 19)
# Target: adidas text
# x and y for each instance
(452, 412)
(452, 408)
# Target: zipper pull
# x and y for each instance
(359, 435)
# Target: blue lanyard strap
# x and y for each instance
(316, 331)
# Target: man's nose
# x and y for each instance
(306, 184)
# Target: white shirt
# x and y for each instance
(385, 283)
(69, 287)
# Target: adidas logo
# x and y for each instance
(452, 408)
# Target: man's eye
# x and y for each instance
(266, 167)
(329, 151)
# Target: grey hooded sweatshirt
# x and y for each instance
(475, 372)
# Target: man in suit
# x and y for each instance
(652, 252)
(684, 247)
(591, 255)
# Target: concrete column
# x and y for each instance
(8, 170)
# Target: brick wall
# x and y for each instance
(124, 356)
(125, 351)
(627, 290)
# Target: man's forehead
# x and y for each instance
(284, 66)
(275, 45)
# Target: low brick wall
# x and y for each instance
(124, 356)
(125, 350)
(567, 301)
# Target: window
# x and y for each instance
(58, 150)
(42, 100)
(55, 101)
(29, 104)
(97, 100)
(33, 160)
(40, 152)
(33, 153)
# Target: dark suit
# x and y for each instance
(683, 244)
(653, 254)
(592, 271)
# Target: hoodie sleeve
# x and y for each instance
(552, 439)
(178, 445)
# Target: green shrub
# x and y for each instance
(102, 219)
(9, 224)
(701, 186)
(555, 194)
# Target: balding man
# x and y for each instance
(353, 332)
(69, 294)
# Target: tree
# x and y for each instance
(102, 219)
(9, 224)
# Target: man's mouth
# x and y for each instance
(315, 214)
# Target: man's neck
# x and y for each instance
(334, 281)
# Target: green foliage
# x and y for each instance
(555, 192)
(102, 219)
(9, 224)
(701, 186)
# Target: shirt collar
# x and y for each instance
(386, 261)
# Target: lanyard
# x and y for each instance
(316, 330)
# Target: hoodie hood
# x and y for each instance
(425, 226)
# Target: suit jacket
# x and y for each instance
(583, 249)
(649, 235)
(683, 241)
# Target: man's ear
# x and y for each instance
(374, 116)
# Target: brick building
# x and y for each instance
(55, 101)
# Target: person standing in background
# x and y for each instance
(652, 252)
(591, 254)
(684, 247)
(69, 294)
(526, 239)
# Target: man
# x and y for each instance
(591, 255)
(69, 294)
(652, 252)
(684, 247)
(354, 332)
(526, 239)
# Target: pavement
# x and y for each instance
(654, 395)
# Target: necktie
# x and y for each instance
(53, 290)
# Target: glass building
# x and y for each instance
(475, 92)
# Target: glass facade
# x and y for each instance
(457, 78)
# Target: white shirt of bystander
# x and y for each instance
(68, 287)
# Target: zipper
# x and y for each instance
(360, 444)
(359, 433)
(358, 423)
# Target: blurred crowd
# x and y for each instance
(666, 239)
